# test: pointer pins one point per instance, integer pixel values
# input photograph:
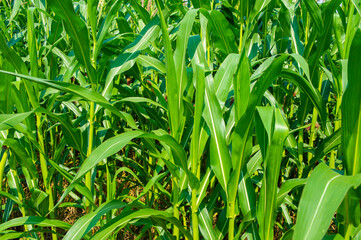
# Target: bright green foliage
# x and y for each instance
(195, 119)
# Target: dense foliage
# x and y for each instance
(152, 119)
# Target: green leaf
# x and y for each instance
(8, 121)
(121, 221)
(257, 8)
(78, 32)
(104, 30)
(288, 186)
(246, 194)
(72, 135)
(357, 6)
(22, 156)
(123, 63)
(147, 61)
(241, 134)
(219, 153)
(84, 224)
(323, 43)
(224, 77)
(323, 194)
(148, 35)
(12, 56)
(115, 144)
(311, 92)
(266, 211)
(264, 123)
(201, 4)
(303, 64)
(81, 188)
(32, 220)
(326, 145)
(32, 43)
(15, 10)
(288, 235)
(20, 67)
(171, 80)
(141, 100)
(315, 13)
(143, 14)
(6, 101)
(92, 14)
(242, 87)
(183, 34)
(224, 38)
(205, 224)
(333, 237)
(199, 103)
(15, 199)
(351, 111)
(85, 93)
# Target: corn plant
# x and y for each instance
(152, 119)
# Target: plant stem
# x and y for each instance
(231, 220)
(240, 37)
(90, 149)
(312, 133)
(265, 33)
(194, 195)
(348, 227)
(176, 207)
(2, 166)
(314, 120)
(20, 196)
(307, 28)
(44, 171)
(333, 156)
(212, 184)
(195, 215)
(300, 151)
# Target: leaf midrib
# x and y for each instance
(318, 206)
(216, 139)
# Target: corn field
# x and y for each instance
(180, 119)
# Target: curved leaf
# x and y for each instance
(115, 144)
(32, 220)
(121, 221)
(8, 121)
(312, 93)
(77, 31)
(85, 93)
(323, 194)
(84, 224)
(326, 145)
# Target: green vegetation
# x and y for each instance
(152, 119)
